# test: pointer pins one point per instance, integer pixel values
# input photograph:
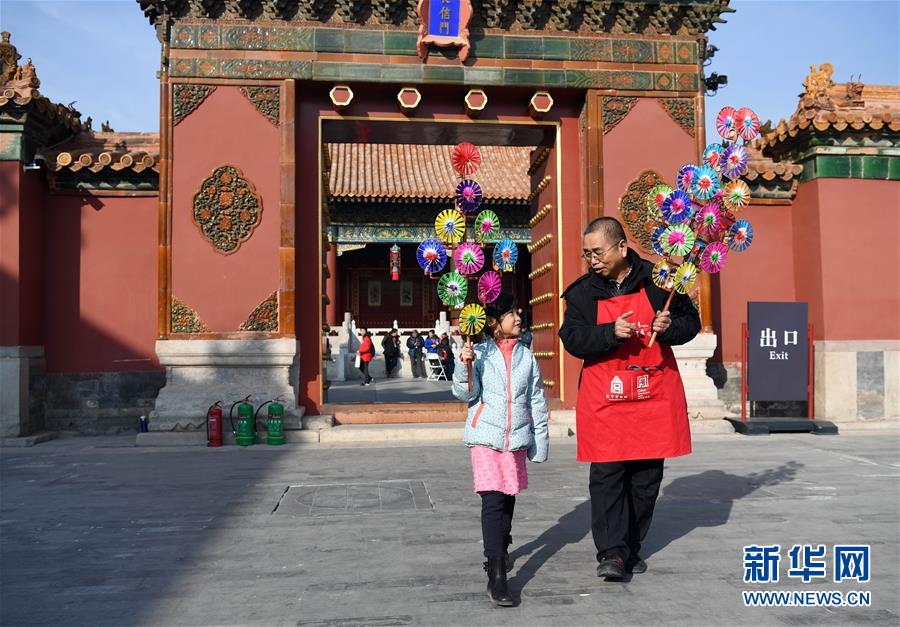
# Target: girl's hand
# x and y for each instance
(468, 352)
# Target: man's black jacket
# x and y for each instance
(585, 339)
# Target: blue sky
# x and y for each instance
(103, 54)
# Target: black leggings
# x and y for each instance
(364, 368)
(496, 522)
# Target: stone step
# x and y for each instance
(396, 413)
(29, 440)
(565, 418)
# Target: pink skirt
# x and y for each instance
(501, 472)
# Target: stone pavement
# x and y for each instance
(94, 531)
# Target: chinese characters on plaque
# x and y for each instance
(444, 23)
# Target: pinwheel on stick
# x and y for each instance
(696, 222)
(471, 322)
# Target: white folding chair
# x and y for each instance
(435, 367)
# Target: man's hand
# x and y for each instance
(662, 321)
(468, 352)
(623, 328)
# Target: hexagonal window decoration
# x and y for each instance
(341, 96)
(476, 100)
(409, 98)
(541, 102)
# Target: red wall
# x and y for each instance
(225, 289)
(856, 272)
(100, 279)
(627, 152)
(9, 252)
(21, 264)
(763, 272)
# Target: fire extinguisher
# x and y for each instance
(214, 424)
(395, 263)
(274, 422)
(245, 434)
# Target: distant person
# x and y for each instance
(390, 347)
(366, 354)
(631, 412)
(432, 342)
(446, 353)
(416, 347)
(506, 422)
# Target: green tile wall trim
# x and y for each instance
(11, 146)
(523, 47)
(882, 168)
(635, 80)
(400, 43)
(483, 75)
(329, 40)
(321, 39)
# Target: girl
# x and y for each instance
(507, 421)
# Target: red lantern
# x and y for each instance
(395, 263)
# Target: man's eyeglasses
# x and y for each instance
(588, 255)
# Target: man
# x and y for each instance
(631, 412)
(390, 347)
(416, 345)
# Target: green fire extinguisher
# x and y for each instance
(274, 422)
(245, 434)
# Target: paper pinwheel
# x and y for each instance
(468, 196)
(432, 256)
(734, 161)
(705, 183)
(471, 319)
(712, 156)
(505, 255)
(662, 274)
(685, 277)
(656, 240)
(452, 289)
(489, 285)
(469, 258)
(736, 195)
(655, 198)
(740, 236)
(685, 177)
(677, 207)
(709, 219)
(713, 258)
(726, 122)
(747, 123)
(487, 226)
(450, 226)
(678, 240)
(466, 159)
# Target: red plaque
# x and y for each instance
(444, 23)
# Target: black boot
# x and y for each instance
(507, 562)
(497, 589)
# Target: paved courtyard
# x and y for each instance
(96, 532)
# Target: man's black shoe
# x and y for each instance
(636, 565)
(611, 568)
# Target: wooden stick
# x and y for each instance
(665, 309)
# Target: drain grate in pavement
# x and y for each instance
(382, 497)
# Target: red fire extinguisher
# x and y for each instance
(214, 424)
(395, 263)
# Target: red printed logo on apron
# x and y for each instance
(629, 385)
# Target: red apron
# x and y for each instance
(631, 402)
